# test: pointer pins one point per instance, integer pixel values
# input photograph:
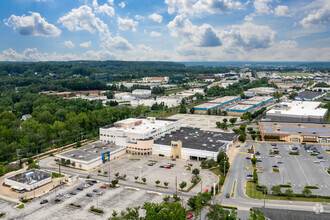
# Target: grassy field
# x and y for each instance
(253, 193)
(169, 92)
(295, 74)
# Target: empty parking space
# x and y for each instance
(297, 170)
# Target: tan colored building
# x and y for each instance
(141, 147)
(295, 132)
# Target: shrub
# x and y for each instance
(93, 209)
(161, 155)
(157, 182)
(166, 184)
(144, 179)
(136, 177)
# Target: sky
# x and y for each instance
(165, 30)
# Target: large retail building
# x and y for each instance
(295, 132)
(297, 111)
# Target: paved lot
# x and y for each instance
(205, 122)
(299, 170)
(112, 199)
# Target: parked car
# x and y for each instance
(190, 164)
(322, 160)
(249, 175)
(168, 167)
(190, 216)
(80, 189)
(90, 183)
(278, 157)
(103, 187)
(279, 162)
(94, 181)
(275, 166)
(173, 159)
(258, 157)
(259, 160)
(294, 148)
(319, 156)
(248, 158)
(316, 161)
(73, 193)
(67, 196)
(99, 193)
(227, 195)
(89, 195)
(275, 148)
(274, 145)
(59, 195)
(44, 201)
(162, 166)
(238, 146)
(150, 164)
(95, 190)
(271, 155)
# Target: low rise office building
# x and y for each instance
(249, 105)
(141, 93)
(309, 95)
(216, 104)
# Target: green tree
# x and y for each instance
(289, 192)
(225, 120)
(144, 179)
(217, 212)
(183, 184)
(2, 170)
(233, 120)
(166, 184)
(183, 109)
(254, 160)
(307, 192)
(136, 177)
(171, 211)
(157, 182)
(33, 166)
(256, 215)
(195, 171)
(276, 190)
(192, 110)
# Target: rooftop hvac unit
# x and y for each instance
(278, 129)
(211, 140)
(171, 135)
(204, 145)
(186, 138)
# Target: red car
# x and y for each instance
(190, 216)
(168, 167)
(103, 187)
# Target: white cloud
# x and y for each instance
(122, 4)
(156, 17)
(111, 2)
(103, 9)
(117, 43)
(155, 34)
(263, 6)
(32, 25)
(79, 19)
(317, 18)
(127, 24)
(198, 7)
(86, 44)
(32, 54)
(282, 11)
(203, 36)
(139, 17)
(249, 36)
(68, 44)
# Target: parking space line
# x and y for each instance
(302, 170)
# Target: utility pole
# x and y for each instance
(176, 185)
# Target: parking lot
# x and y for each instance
(107, 200)
(205, 122)
(139, 166)
(298, 170)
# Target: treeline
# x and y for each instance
(238, 88)
(54, 122)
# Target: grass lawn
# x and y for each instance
(56, 175)
(168, 92)
(21, 206)
(295, 74)
(216, 171)
(253, 193)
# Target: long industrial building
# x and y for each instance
(249, 105)
(297, 111)
(295, 132)
(216, 104)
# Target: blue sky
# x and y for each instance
(174, 30)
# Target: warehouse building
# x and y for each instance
(141, 93)
(249, 105)
(309, 96)
(295, 132)
(261, 91)
(91, 155)
(216, 104)
(28, 180)
(297, 111)
(193, 143)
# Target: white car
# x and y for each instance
(258, 157)
(278, 157)
(67, 196)
(322, 160)
(316, 161)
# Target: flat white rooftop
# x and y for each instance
(224, 99)
(139, 125)
(298, 108)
